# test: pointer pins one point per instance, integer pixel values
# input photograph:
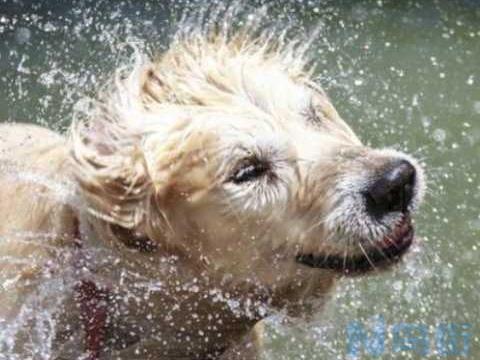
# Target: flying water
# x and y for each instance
(403, 75)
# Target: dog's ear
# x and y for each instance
(132, 159)
(125, 189)
(132, 181)
(109, 167)
(108, 156)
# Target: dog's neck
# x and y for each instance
(161, 283)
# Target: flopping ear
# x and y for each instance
(130, 158)
(110, 163)
(111, 172)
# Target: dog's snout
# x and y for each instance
(393, 190)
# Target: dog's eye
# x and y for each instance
(249, 169)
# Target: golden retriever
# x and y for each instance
(205, 189)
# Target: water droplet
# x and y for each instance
(23, 35)
(439, 135)
(475, 225)
(476, 107)
(426, 121)
(398, 285)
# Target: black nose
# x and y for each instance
(393, 191)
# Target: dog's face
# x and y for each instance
(253, 171)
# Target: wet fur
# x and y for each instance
(145, 171)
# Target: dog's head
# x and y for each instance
(226, 150)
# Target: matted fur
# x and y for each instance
(162, 220)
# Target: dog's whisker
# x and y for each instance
(372, 264)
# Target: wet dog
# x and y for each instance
(204, 189)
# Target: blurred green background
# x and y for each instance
(404, 74)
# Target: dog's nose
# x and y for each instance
(393, 191)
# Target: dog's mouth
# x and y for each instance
(377, 255)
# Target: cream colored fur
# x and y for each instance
(193, 261)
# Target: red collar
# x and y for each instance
(93, 304)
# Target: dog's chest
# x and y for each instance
(186, 325)
(162, 317)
